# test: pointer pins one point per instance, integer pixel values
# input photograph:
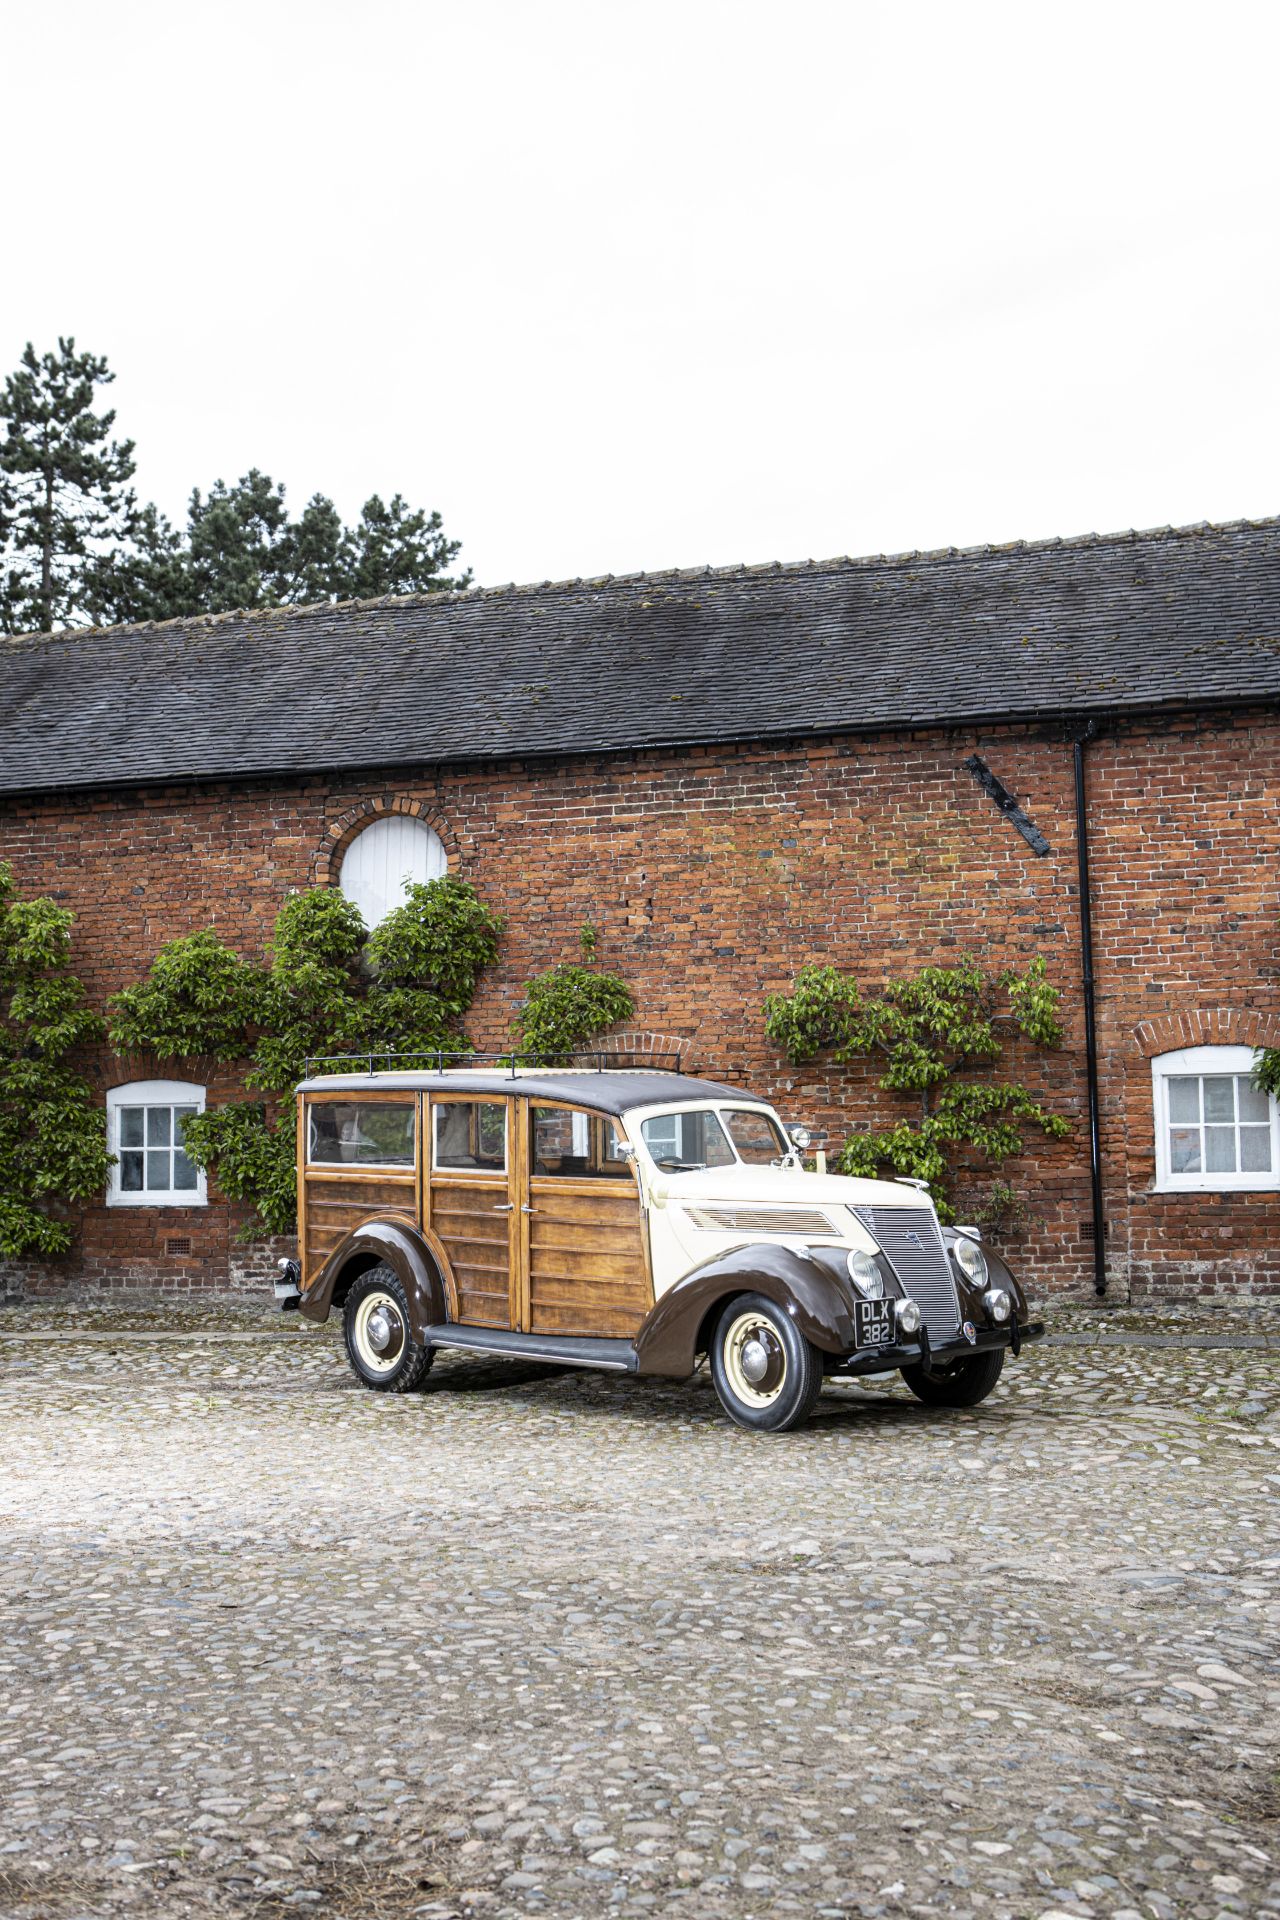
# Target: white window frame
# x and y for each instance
(152, 1093)
(1198, 1062)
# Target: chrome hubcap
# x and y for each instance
(378, 1330)
(755, 1361)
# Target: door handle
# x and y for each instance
(528, 1209)
(508, 1208)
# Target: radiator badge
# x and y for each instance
(970, 1332)
(913, 1239)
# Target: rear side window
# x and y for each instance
(756, 1137)
(361, 1133)
(580, 1145)
(471, 1135)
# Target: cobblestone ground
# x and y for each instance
(550, 1643)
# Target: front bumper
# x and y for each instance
(920, 1351)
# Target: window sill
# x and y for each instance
(1262, 1183)
(169, 1201)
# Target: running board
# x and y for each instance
(560, 1349)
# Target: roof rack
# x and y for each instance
(436, 1060)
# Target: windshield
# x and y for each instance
(690, 1141)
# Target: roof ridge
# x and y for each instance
(663, 576)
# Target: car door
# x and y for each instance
(583, 1255)
(471, 1204)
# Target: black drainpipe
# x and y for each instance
(1090, 1023)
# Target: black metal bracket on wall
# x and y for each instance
(1007, 803)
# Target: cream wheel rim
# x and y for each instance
(378, 1333)
(755, 1360)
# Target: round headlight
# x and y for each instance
(864, 1271)
(908, 1316)
(971, 1260)
(997, 1303)
(800, 1137)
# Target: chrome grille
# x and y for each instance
(911, 1238)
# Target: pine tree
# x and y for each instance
(65, 501)
(241, 549)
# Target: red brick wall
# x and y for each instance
(713, 874)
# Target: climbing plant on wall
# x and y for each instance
(328, 987)
(568, 1006)
(929, 1030)
(53, 1140)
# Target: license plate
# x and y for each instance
(873, 1323)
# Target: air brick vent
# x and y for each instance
(177, 1245)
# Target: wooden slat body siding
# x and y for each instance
(587, 1267)
(474, 1228)
(336, 1203)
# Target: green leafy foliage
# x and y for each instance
(196, 1003)
(940, 1022)
(1266, 1070)
(255, 1157)
(328, 987)
(65, 501)
(568, 1006)
(53, 1136)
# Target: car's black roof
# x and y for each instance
(610, 1091)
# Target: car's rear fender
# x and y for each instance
(414, 1256)
(678, 1328)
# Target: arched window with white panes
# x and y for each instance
(1216, 1132)
(384, 859)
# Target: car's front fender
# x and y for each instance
(675, 1331)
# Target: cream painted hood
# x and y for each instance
(780, 1186)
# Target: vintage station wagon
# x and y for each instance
(634, 1220)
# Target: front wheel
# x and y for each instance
(380, 1345)
(960, 1386)
(764, 1370)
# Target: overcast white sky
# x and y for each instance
(623, 286)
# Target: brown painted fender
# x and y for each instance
(414, 1256)
(998, 1275)
(671, 1335)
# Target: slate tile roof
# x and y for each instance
(1139, 621)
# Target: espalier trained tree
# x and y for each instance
(329, 987)
(53, 1135)
(942, 1022)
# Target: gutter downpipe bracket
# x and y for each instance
(1079, 742)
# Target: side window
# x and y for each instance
(580, 1145)
(1215, 1131)
(471, 1135)
(360, 1133)
(145, 1122)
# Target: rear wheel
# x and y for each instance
(380, 1345)
(765, 1372)
(960, 1386)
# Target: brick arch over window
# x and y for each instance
(342, 831)
(640, 1045)
(1207, 1027)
